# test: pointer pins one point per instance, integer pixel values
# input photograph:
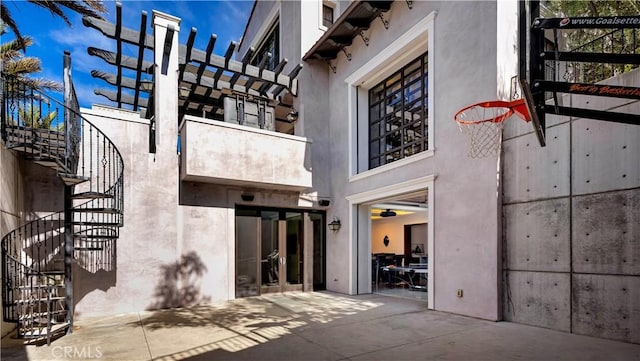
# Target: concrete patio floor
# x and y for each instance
(313, 326)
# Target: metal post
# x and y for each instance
(68, 191)
(68, 255)
(536, 62)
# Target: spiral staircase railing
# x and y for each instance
(37, 256)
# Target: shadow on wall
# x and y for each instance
(95, 268)
(180, 283)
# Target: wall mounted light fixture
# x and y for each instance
(335, 225)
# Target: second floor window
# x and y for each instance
(270, 44)
(327, 15)
(398, 114)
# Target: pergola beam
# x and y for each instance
(119, 49)
(223, 73)
(220, 84)
(228, 64)
(143, 34)
(127, 35)
(125, 82)
(124, 98)
(201, 67)
(127, 62)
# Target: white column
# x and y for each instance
(166, 81)
(166, 121)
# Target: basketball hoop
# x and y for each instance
(483, 123)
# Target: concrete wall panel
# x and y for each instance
(533, 172)
(538, 299)
(606, 233)
(605, 156)
(607, 306)
(539, 235)
(515, 127)
(603, 170)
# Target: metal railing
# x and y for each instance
(87, 161)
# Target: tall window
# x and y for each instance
(398, 114)
(270, 44)
(327, 15)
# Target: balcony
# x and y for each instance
(226, 153)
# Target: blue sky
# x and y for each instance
(52, 36)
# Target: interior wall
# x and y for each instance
(393, 227)
(571, 215)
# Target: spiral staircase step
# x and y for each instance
(88, 248)
(97, 210)
(71, 179)
(91, 195)
(35, 299)
(43, 332)
(95, 223)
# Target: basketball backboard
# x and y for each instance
(557, 59)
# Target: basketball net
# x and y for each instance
(483, 123)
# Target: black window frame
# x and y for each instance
(325, 20)
(391, 137)
(270, 44)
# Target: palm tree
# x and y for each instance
(91, 8)
(33, 117)
(17, 66)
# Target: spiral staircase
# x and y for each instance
(39, 257)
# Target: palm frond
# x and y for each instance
(43, 84)
(53, 8)
(24, 65)
(97, 5)
(22, 86)
(7, 19)
(89, 8)
(11, 50)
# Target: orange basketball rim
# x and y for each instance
(483, 123)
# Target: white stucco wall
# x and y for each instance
(252, 157)
(148, 238)
(27, 191)
(299, 30)
(466, 222)
(11, 201)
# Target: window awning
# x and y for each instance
(353, 22)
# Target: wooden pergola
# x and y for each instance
(204, 77)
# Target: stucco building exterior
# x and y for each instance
(235, 203)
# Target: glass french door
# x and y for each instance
(269, 251)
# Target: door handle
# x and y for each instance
(283, 260)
